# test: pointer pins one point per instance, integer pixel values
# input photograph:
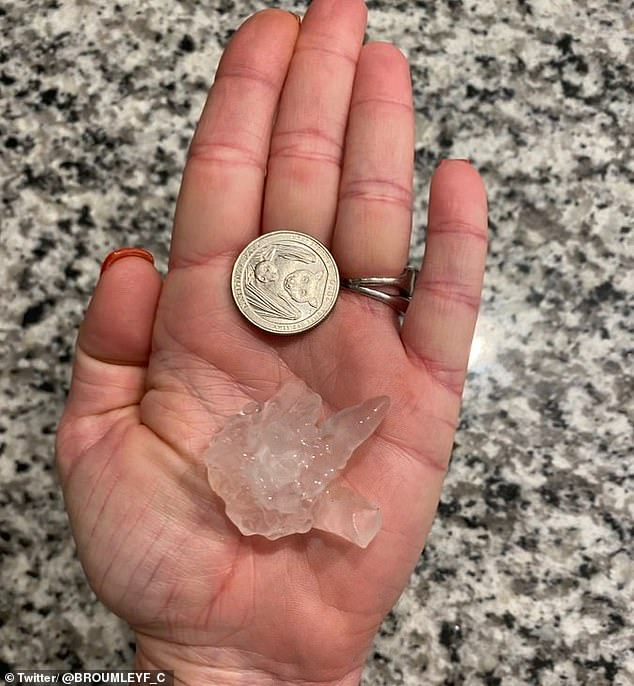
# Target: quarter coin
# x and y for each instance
(285, 282)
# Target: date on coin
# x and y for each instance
(285, 282)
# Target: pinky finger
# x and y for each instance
(439, 324)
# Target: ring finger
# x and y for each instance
(373, 227)
(306, 152)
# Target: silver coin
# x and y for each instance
(285, 282)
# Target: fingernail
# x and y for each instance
(454, 159)
(297, 16)
(120, 253)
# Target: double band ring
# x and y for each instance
(399, 288)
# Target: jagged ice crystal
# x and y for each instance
(277, 471)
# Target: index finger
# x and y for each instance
(218, 208)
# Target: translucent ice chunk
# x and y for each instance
(277, 470)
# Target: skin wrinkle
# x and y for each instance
(194, 388)
(308, 156)
(207, 153)
(462, 228)
(202, 142)
(435, 369)
(382, 101)
(159, 563)
(325, 148)
(168, 601)
(349, 57)
(121, 541)
(107, 463)
(228, 577)
(446, 422)
(240, 332)
(84, 359)
(225, 257)
(117, 386)
(172, 443)
(310, 132)
(246, 72)
(104, 502)
(75, 460)
(354, 613)
(452, 292)
(360, 189)
(397, 188)
(183, 547)
(166, 606)
(149, 548)
(382, 315)
(416, 454)
(141, 363)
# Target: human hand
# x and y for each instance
(159, 365)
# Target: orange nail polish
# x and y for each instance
(454, 159)
(120, 253)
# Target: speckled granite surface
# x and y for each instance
(526, 578)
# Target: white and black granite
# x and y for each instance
(527, 576)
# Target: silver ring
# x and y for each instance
(395, 291)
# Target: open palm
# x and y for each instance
(304, 129)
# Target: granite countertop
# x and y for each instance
(527, 575)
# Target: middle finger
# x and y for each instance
(306, 151)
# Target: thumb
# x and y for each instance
(113, 346)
